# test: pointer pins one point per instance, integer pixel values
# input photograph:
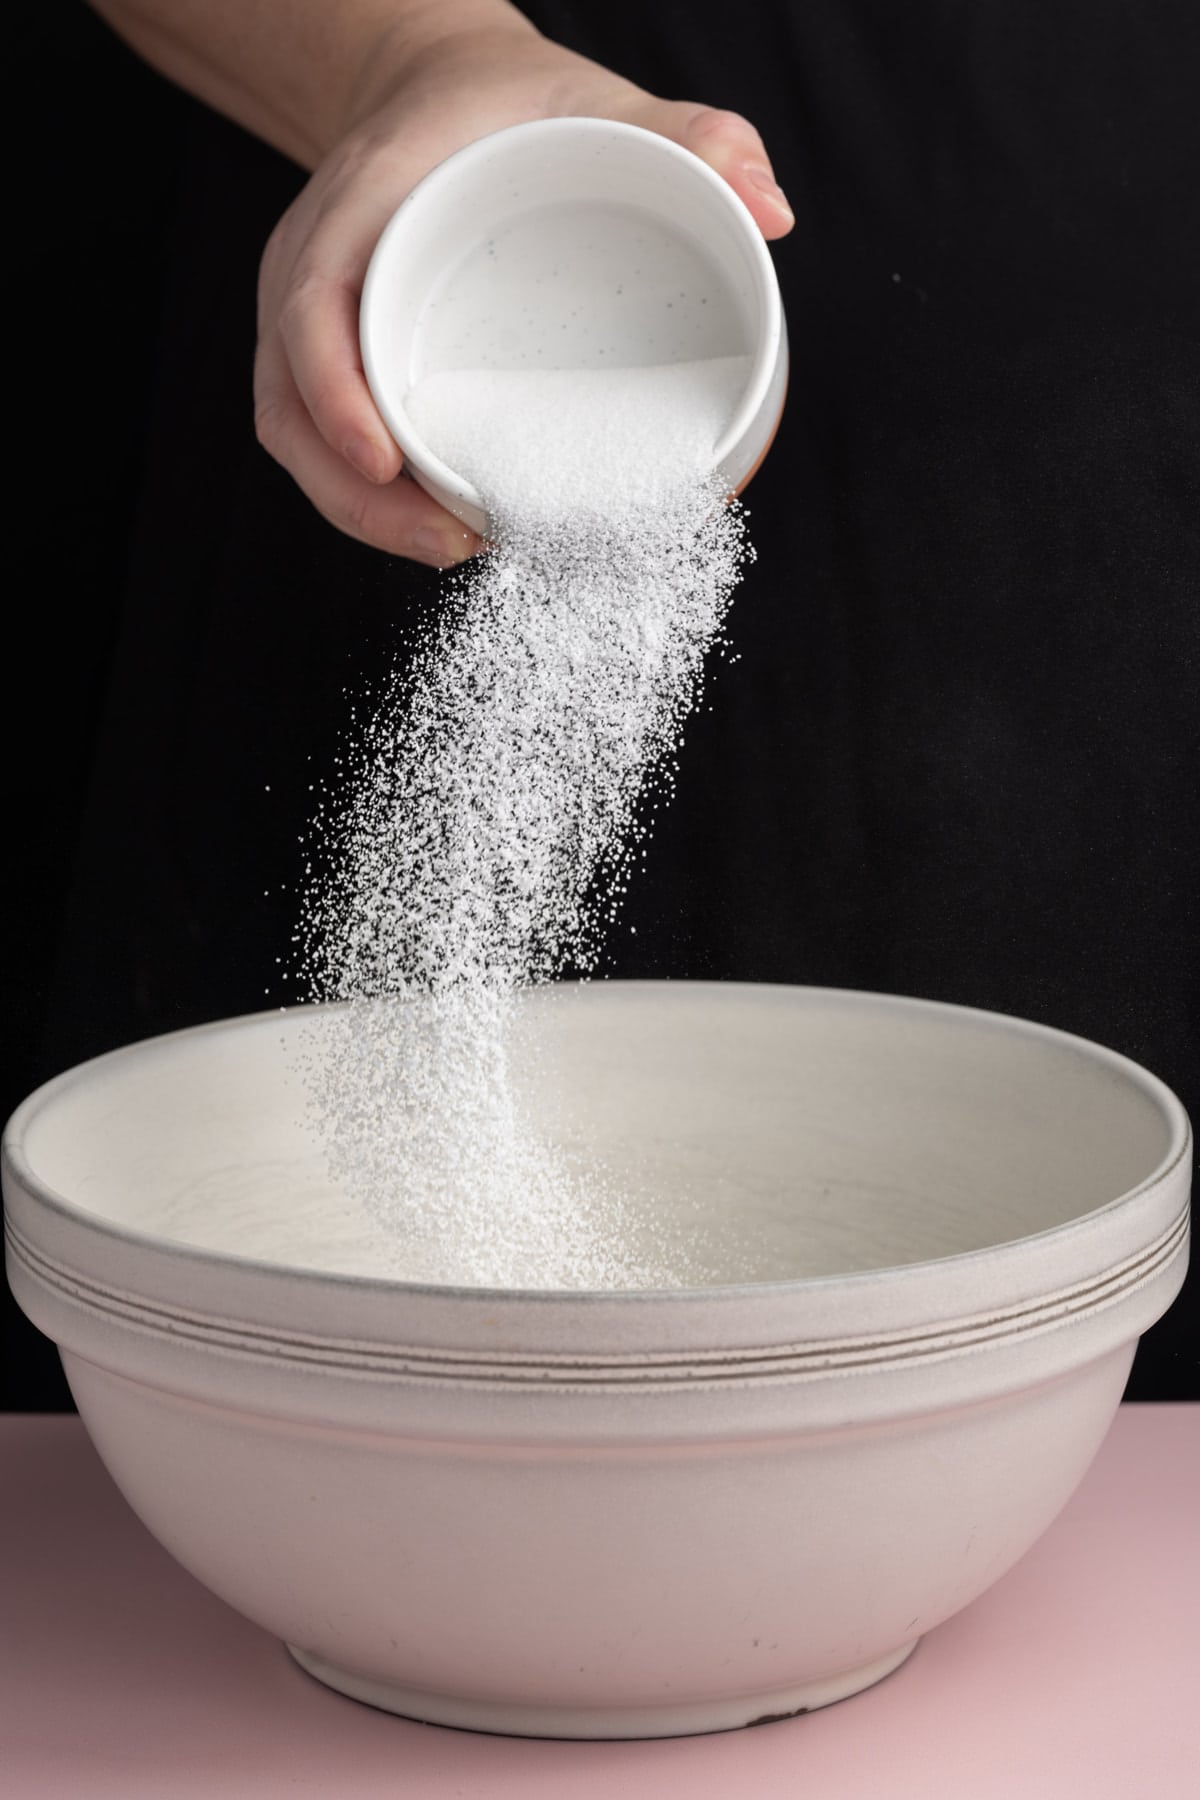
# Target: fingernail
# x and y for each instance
(766, 184)
(441, 549)
(367, 458)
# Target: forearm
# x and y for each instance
(297, 73)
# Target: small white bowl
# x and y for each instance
(623, 1514)
(571, 243)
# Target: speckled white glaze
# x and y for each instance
(617, 1514)
(571, 243)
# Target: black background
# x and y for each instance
(959, 754)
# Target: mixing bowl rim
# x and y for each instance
(17, 1166)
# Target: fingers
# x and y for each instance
(396, 516)
(730, 145)
(308, 296)
(313, 409)
(318, 327)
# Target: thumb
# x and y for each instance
(730, 145)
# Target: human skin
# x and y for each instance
(369, 95)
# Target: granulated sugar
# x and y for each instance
(500, 797)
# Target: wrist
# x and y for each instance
(422, 34)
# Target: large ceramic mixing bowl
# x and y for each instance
(616, 1514)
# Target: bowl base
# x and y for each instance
(515, 1720)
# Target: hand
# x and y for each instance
(313, 410)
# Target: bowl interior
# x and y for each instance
(803, 1132)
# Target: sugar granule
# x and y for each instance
(500, 794)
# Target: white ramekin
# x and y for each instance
(589, 169)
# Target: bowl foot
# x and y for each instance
(517, 1720)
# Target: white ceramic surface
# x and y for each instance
(571, 243)
(622, 1514)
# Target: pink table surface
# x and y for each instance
(1077, 1675)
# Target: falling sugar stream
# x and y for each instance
(498, 799)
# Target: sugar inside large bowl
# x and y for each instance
(620, 1514)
